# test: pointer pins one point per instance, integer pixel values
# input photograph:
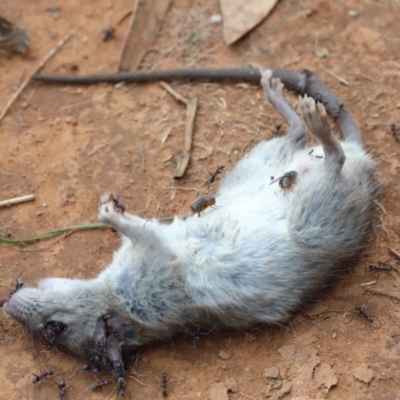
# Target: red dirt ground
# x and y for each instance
(67, 145)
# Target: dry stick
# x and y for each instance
(135, 379)
(339, 78)
(143, 164)
(190, 117)
(394, 253)
(49, 55)
(247, 396)
(17, 200)
(172, 92)
(191, 109)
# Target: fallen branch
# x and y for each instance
(49, 55)
(17, 200)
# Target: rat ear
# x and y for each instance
(57, 284)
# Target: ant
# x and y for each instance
(394, 133)
(277, 132)
(216, 173)
(164, 380)
(62, 389)
(197, 335)
(336, 114)
(100, 385)
(118, 205)
(107, 34)
(42, 377)
(362, 313)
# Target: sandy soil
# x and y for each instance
(68, 144)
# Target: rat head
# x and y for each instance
(64, 311)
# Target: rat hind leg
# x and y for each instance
(273, 89)
(316, 121)
(307, 82)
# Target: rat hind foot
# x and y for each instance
(273, 89)
(316, 121)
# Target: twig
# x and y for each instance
(368, 283)
(190, 117)
(110, 395)
(4, 172)
(68, 106)
(191, 110)
(339, 78)
(394, 253)
(174, 94)
(49, 55)
(17, 200)
(247, 396)
(143, 164)
(135, 379)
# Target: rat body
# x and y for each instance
(257, 257)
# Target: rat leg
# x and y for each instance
(316, 121)
(136, 228)
(114, 352)
(273, 89)
(306, 82)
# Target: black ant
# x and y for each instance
(164, 380)
(216, 173)
(42, 377)
(336, 114)
(362, 313)
(107, 34)
(118, 205)
(62, 389)
(394, 133)
(277, 132)
(100, 385)
(379, 268)
(197, 335)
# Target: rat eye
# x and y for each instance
(52, 329)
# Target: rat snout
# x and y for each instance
(24, 306)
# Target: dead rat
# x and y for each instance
(256, 258)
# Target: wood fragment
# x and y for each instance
(48, 56)
(4, 172)
(143, 163)
(246, 395)
(183, 162)
(144, 26)
(368, 283)
(331, 73)
(394, 253)
(173, 93)
(191, 110)
(17, 200)
(135, 379)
